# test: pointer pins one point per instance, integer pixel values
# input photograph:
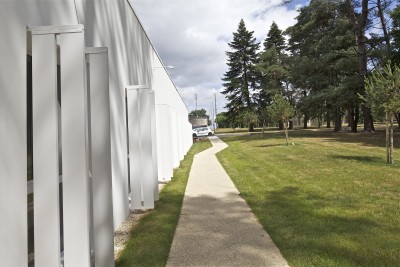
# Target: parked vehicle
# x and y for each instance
(202, 131)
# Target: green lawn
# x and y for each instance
(151, 239)
(328, 200)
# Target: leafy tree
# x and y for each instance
(395, 34)
(382, 94)
(240, 81)
(395, 45)
(358, 13)
(324, 63)
(281, 110)
(249, 117)
(200, 113)
(264, 117)
(223, 120)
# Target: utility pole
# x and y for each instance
(215, 113)
(195, 97)
(212, 115)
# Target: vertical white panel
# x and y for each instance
(164, 142)
(103, 228)
(154, 144)
(13, 145)
(169, 164)
(190, 136)
(160, 144)
(180, 136)
(140, 148)
(74, 151)
(45, 150)
(134, 148)
(146, 157)
(175, 140)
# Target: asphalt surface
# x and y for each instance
(216, 226)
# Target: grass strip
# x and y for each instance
(151, 239)
(328, 200)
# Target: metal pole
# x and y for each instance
(215, 113)
(212, 115)
(195, 97)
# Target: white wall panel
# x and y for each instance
(74, 150)
(154, 144)
(140, 147)
(103, 228)
(45, 150)
(160, 131)
(180, 136)
(13, 138)
(175, 141)
(146, 157)
(164, 132)
(134, 147)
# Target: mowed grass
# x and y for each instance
(328, 200)
(151, 239)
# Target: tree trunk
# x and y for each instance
(360, 23)
(280, 125)
(368, 122)
(391, 139)
(251, 127)
(357, 114)
(387, 138)
(351, 120)
(305, 121)
(286, 133)
(338, 121)
(397, 116)
(328, 119)
(319, 121)
(290, 125)
(386, 36)
(263, 128)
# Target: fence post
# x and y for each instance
(100, 155)
(74, 150)
(45, 124)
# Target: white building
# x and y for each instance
(85, 95)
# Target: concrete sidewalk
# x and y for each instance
(216, 226)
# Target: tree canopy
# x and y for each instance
(240, 81)
(318, 65)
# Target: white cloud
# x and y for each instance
(193, 35)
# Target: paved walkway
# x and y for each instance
(216, 226)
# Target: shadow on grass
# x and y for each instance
(315, 230)
(376, 139)
(297, 221)
(273, 145)
(366, 159)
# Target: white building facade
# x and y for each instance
(90, 122)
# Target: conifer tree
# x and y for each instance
(240, 81)
(275, 38)
(272, 68)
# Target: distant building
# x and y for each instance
(198, 122)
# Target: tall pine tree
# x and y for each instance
(240, 81)
(275, 38)
(272, 65)
(273, 69)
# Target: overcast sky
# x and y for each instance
(193, 35)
